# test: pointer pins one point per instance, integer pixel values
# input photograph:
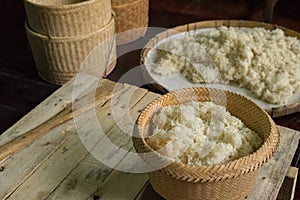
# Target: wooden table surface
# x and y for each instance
(76, 160)
(22, 89)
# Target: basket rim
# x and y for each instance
(62, 7)
(70, 38)
(227, 170)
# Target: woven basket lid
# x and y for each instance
(63, 18)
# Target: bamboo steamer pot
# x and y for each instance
(58, 59)
(67, 18)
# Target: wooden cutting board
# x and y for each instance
(56, 165)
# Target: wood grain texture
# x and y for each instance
(68, 156)
(92, 175)
(51, 172)
(287, 190)
(58, 166)
(102, 94)
(42, 147)
(50, 107)
(40, 150)
(271, 176)
(18, 167)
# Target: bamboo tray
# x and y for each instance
(164, 84)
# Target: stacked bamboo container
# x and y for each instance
(63, 33)
(131, 19)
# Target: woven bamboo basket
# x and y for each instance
(58, 59)
(132, 19)
(232, 180)
(63, 18)
(275, 111)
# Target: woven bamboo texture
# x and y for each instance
(58, 59)
(275, 111)
(232, 180)
(67, 18)
(226, 189)
(120, 3)
(132, 19)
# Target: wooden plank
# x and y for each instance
(42, 187)
(68, 113)
(82, 181)
(90, 174)
(60, 163)
(90, 133)
(271, 175)
(121, 186)
(121, 136)
(42, 148)
(54, 104)
(79, 142)
(287, 190)
(18, 167)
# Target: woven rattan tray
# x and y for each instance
(163, 84)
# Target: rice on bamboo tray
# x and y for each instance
(255, 59)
